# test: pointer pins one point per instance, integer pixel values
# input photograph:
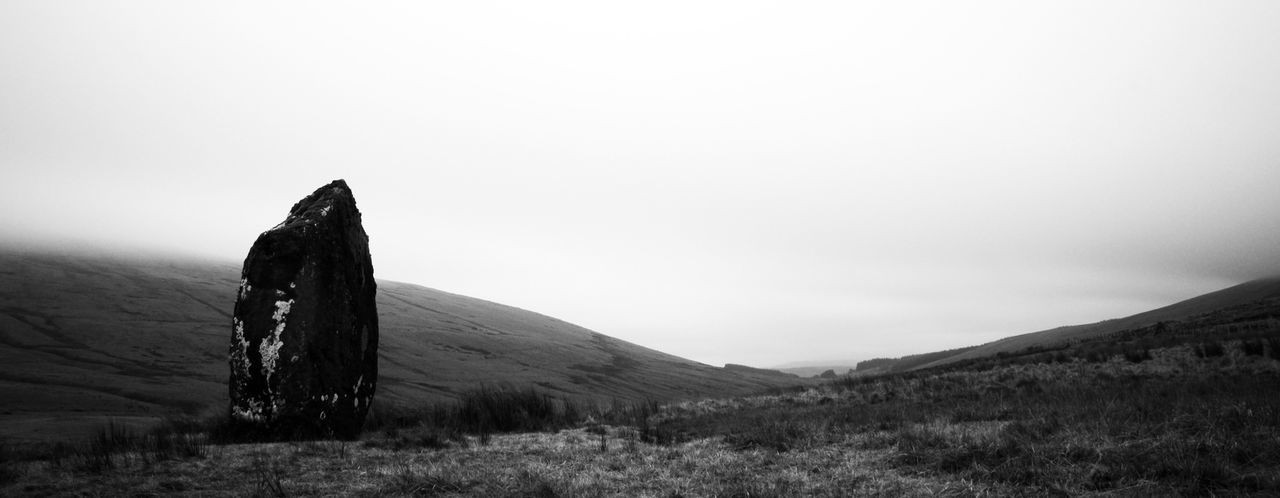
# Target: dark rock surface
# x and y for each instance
(304, 343)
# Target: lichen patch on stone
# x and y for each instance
(240, 347)
(269, 349)
(282, 310)
(251, 412)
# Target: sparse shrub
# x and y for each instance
(482, 412)
(227, 430)
(1029, 384)
(61, 454)
(1137, 356)
(269, 484)
(114, 445)
(746, 487)
(174, 439)
(639, 415)
(778, 434)
(531, 485)
(968, 412)
(914, 441)
(1210, 349)
(423, 436)
(385, 416)
(329, 448)
(8, 468)
(108, 446)
(1026, 432)
(406, 482)
(506, 410)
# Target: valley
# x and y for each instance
(116, 373)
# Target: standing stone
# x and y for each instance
(304, 341)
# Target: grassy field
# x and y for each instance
(1176, 422)
(1188, 405)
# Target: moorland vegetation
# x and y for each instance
(1188, 408)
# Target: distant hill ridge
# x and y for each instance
(1261, 293)
(885, 365)
(760, 371)
(83, 338)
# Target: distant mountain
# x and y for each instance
(886, 365)
(816, 370)
(1249, 297)
(84, 338)
(760, 371)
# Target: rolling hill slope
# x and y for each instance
(1265, 292)
(86, 338)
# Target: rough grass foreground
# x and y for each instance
(566, 463)
(1177, 424)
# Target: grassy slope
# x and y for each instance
(1176, 424)
(84, 338)
(1256, 290)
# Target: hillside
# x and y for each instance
(1262, 292)
(886, 365)
(86, 338)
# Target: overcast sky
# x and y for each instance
(748, 182)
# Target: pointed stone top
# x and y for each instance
(318, 206)
(336, 190)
